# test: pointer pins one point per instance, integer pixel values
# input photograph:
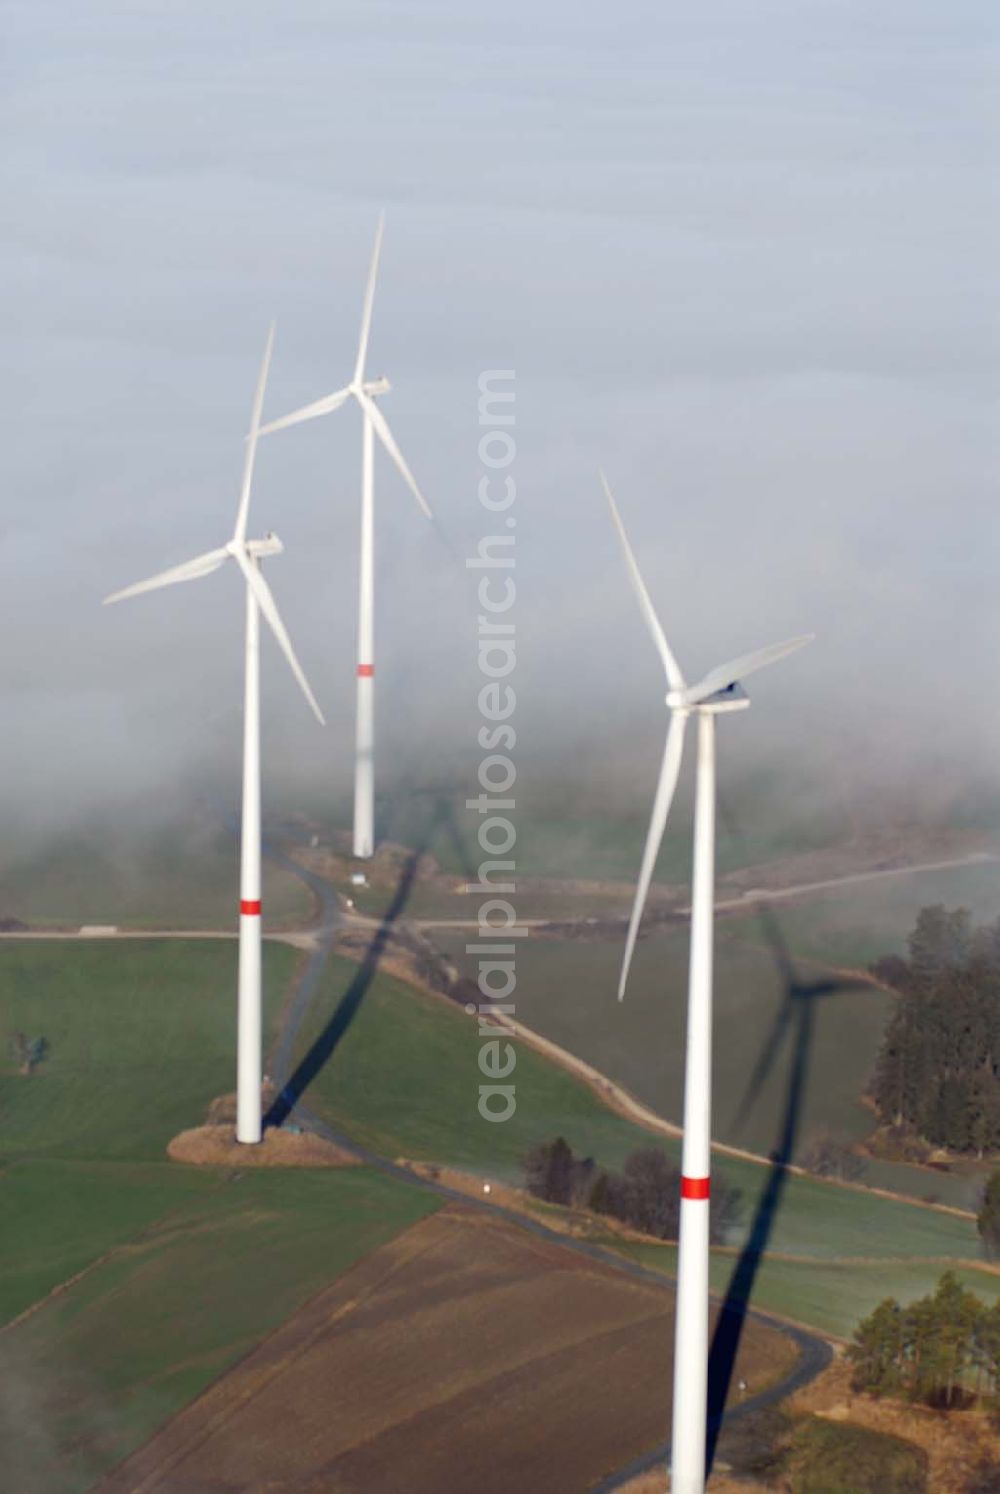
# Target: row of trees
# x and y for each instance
(646, 1194)
(941, 1350)
(938, 1070)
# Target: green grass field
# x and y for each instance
(588, 819)
(142, 1037)
(98, 1368)
(861, 921)
(156, 883)
(829, 1296)
(566, 991)
(179, 1270)
(404, 1080)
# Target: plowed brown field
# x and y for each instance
(465, 1355)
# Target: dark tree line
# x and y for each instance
(941, 1350)
(646, 1194)
(938, 1070)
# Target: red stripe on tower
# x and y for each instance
(250, 906)
(695, 1187)
(365, 671)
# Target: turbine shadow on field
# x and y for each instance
(440, 823)
(794, 1021)
(444, 818)
(347, 1008)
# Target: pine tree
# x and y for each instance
(955, 1312)
(935, 1350)
(986, 1347)
(549, 1171)
(877, 1350)
(938, 1070)
(940, 942)
(988, 1218)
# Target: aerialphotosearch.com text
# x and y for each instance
(495, 948)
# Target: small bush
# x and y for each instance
(829, 1457)
(829, 1155)
(753, 1446)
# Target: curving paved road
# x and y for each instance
(815, 1353)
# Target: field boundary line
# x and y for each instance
(133, 1242)
(281, 1364)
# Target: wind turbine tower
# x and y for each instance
(719, 693)
(247, 554)
(364, 392)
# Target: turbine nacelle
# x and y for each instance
(269, 545)
(732, 698)
(362, 390)
(246, 553)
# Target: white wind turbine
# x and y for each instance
(364, 391)
(718, 692)
(247, 554)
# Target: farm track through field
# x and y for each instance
(751, 896)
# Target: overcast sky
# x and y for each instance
(742, 254)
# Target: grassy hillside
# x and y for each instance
(830, 1296)
(98, 1368)
(141, 1035)
(566, 990)
(156, 882)
(855, 924)
(573, 826)
(403, 1078)
(141, 1038)
(173, 1272)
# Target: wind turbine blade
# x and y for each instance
(308, 412)
(738, 669)
(191, 570)
(239, 533)
(672, 669)
(385, 435)
(268, 607)
(669, 770)
(366, 314)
